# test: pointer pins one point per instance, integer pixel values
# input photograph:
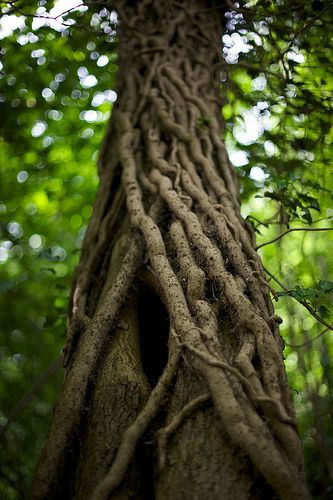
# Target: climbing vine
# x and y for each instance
(167, 215)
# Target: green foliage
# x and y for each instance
(279, 132)
(56, 92)
(315, 296)
(56, 95)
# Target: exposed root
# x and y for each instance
(165, 433)
(256, 399)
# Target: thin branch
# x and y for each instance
(55, 18)
(297, 346)
(244, 64)
(290, 231)
(303, 302)
(315, 315)
(306, 26)
(41, 16)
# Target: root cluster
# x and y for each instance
(183, 207)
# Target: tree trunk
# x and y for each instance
(175, 386)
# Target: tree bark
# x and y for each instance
(175, 386)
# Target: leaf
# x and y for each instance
(324, 311)
(48, 269)
(325, 286)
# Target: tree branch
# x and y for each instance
(303, 302)
(298, 346)
(290, 231)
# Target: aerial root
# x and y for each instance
(286, 434)
(194, 275)
(176, 176)
(164, 433)
(193, 226)
(180, 159)
(253, 397)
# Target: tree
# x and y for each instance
(173, 352)
(55, 98)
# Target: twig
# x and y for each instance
(41, 16)
(54, 18)
(290, 231)
(306, 26)
(297, 346)
(303, 302)
(244, 64)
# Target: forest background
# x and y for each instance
(58, 67)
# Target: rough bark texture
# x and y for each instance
(175, 386)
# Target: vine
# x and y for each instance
(186, 230)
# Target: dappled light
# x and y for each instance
(58, 75)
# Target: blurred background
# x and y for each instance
(57, 79)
